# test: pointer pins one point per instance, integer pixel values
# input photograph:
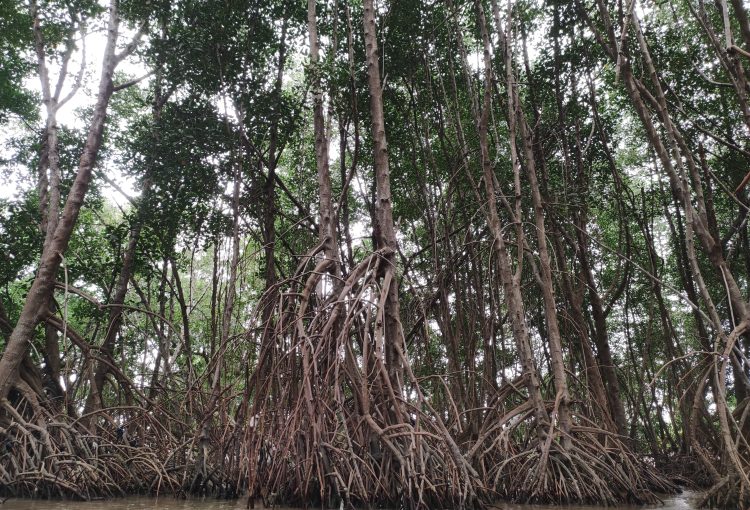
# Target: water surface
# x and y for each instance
(130, 503)
(684, 501)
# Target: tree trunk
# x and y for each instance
(94, 399)
(268, 230)
(327, 225)
(385, 235)
(511, 282)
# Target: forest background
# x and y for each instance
(423, 253)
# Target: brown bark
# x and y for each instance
(742, 18)
(327, 221)
(385, 235)
(600, 312)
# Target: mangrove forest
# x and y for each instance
(414, 254)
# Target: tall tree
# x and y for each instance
(41, 290)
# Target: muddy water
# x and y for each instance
(131, 503)
(685, 501)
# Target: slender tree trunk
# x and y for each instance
(49, 174)
(601, 340)
(550, 307)
(269, 229)
(511, 282)
(385, 235)
(327, 222)
(94, 399)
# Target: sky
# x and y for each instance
(68, 115)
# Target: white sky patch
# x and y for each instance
(69, 114)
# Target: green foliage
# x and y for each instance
(212, 110)
(20, 238)
(15, 39)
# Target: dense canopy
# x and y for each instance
(418, 253)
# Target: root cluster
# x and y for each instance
(729, 492)
(123, 451)
(333, 415)
(336, 424)
(596, 468)
(54, 457)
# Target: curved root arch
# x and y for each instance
(332, 425)
(597, 466)
(55, 457)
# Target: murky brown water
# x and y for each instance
(131, 503)
(684, 501)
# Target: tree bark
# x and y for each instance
(327, 224)
(385, 235)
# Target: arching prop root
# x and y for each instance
(56, 457)
(597, 467)
(217, 464)
(333, 424)
(729, 492)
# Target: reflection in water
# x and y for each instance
(684, 501)
(130, 503)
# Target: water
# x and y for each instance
(684, 501)
(130, 503)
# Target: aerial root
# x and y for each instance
(338, 427)
(598, 467)
(55, 457)
(729, 492)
